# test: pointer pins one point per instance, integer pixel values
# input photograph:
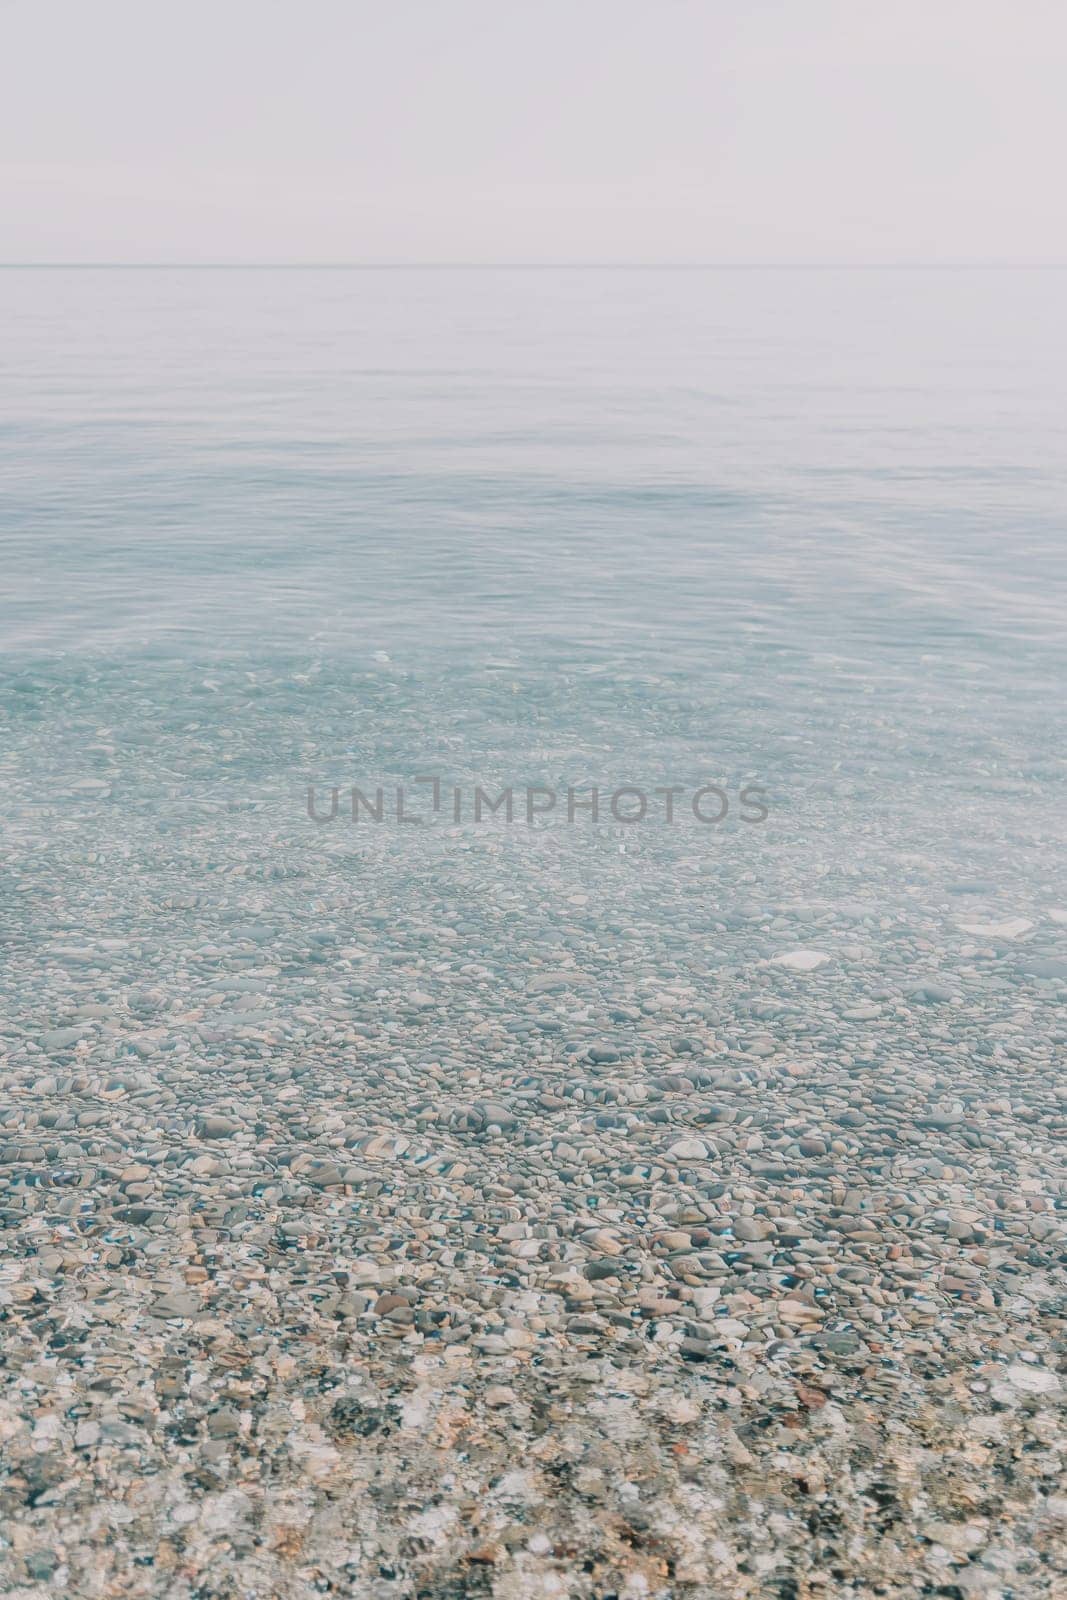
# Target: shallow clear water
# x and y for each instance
(266, 529)
(717, 1168)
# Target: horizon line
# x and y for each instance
(530, 266)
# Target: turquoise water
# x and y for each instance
(717, 1167)
(270, 529)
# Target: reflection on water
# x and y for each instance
(661, 466)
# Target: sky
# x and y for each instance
(630, 131)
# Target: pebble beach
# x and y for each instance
(563, 1209)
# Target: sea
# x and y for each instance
(272, 535)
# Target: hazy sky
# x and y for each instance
(533, 130)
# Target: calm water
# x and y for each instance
(269, 528)
(664, 464)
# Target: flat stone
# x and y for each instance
(801, 960)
